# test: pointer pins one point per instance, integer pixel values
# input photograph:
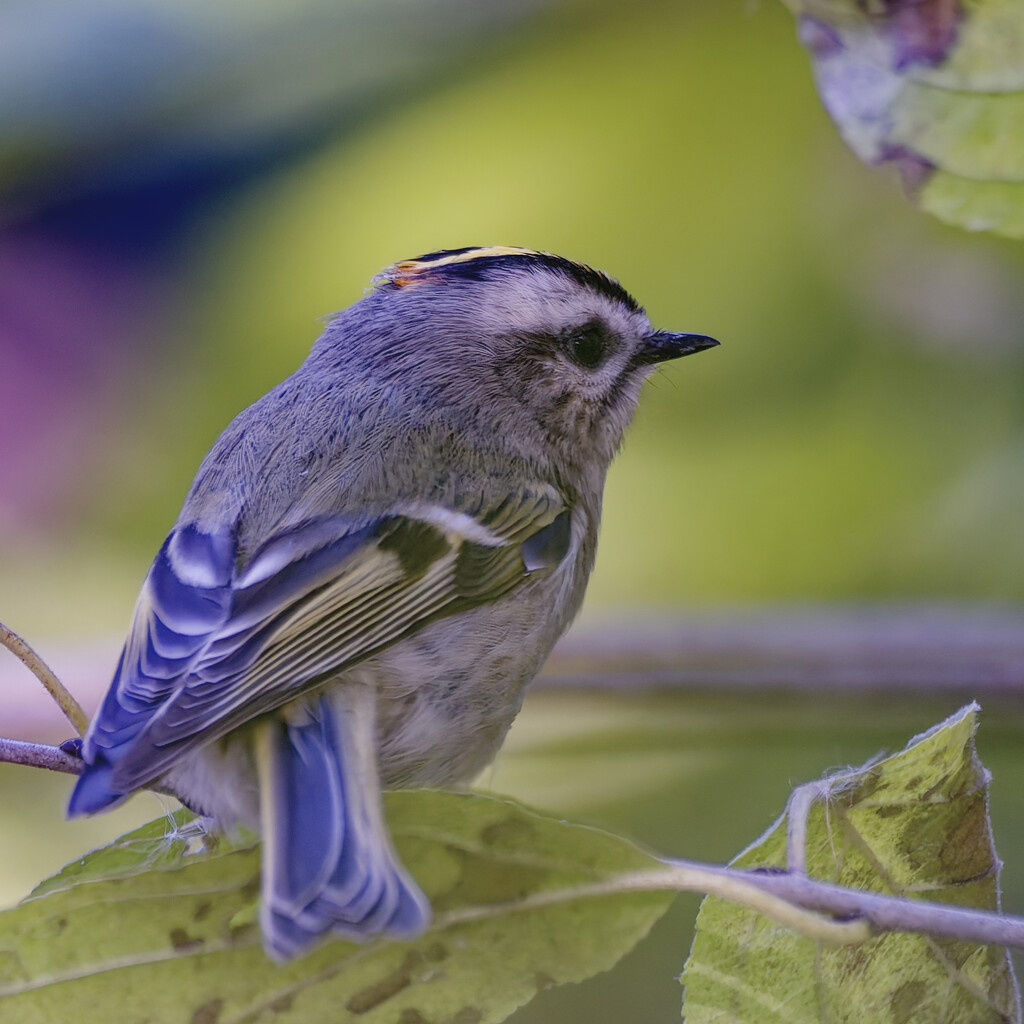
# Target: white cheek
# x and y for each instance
(612, 370)
(595, 384)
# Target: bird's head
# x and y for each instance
(537, 350)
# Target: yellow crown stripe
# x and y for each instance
(478, 254)
(407, 271)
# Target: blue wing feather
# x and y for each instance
(219, 638)
(173, 622)
(196, 634)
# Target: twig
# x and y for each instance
(826, 913)
(69, 706)
(801, 800)
(883, 913)
(39, 755)
(682, 876)
(57, 759)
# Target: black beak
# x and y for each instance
(661, 345)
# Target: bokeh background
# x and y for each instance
(186, 188)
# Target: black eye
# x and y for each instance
(587, 346)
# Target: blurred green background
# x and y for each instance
(857, 437)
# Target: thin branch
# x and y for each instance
(883, 913)
(39, 755)
(69, 706)
(798, 808)
(796, 901)
(56, 759)
(680, 876)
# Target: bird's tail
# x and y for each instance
(328, 864)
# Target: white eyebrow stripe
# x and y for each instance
(451, 521)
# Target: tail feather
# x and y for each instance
(328, 864)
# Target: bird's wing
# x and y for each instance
(214, 644)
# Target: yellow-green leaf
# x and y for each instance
(916, 825)
(159, 928)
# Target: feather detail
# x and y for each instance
(328, 864)
(215, 644)
(186, 598)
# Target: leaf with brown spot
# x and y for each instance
(381, 991)
(914, 825)
(208, 1013)
(161, 929)
(410, 1016)
(468, 1015)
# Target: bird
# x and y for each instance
(372, 563)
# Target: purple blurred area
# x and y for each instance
(122, 125)
(73, 332)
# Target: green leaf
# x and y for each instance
(158, 928)
(915, 824)
(936, 87)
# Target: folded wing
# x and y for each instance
(215, 643)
